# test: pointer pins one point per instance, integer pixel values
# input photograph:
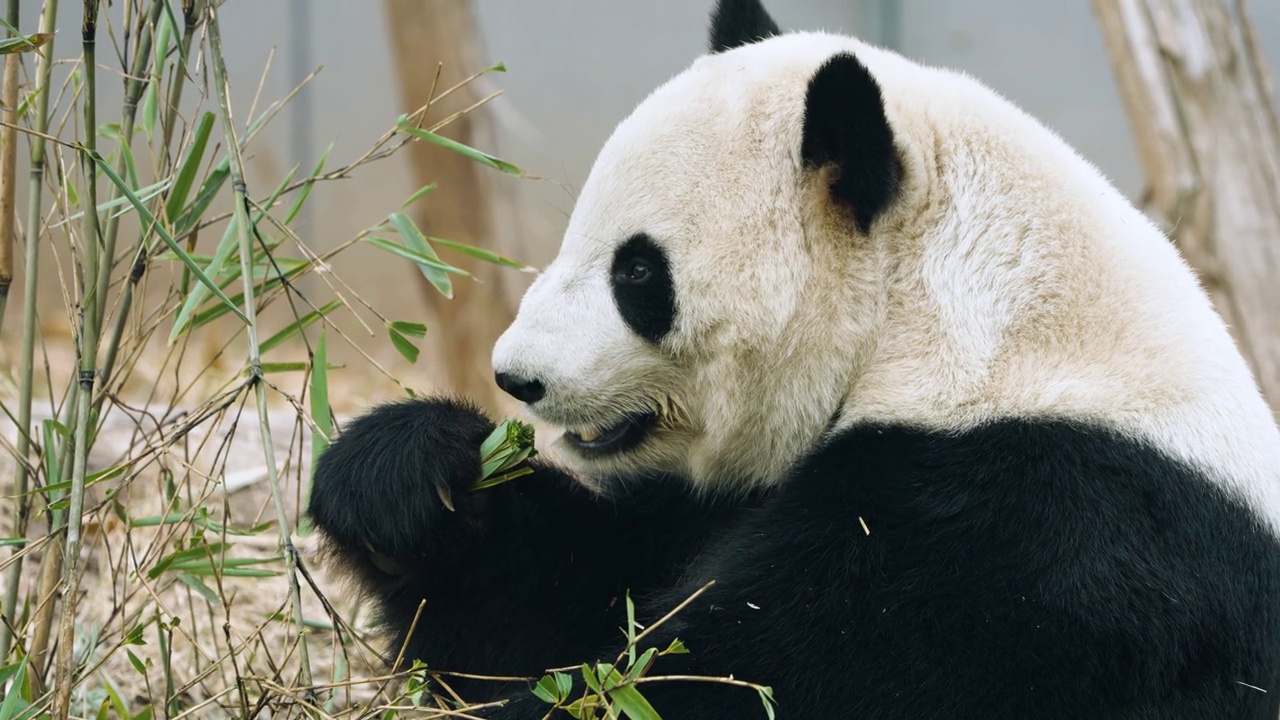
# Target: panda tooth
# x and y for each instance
(588, 435)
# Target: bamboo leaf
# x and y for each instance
(410, 329)
(408, 254)
(481, 254)
(24, 43)
(137, 664)
(206, 316)
(150, 103)
(209, 190)
(198, 585)
(416, 241)
(464, 150)
(404, 345)
(298, 326)
(226, 246)
(12, 704)
(630, 701)
(418, 195)
(144, 194)
(305, 191)
(149, 220)
(190, 166)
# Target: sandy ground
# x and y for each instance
(195, 632)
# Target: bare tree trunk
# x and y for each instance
(470, 203)
(1199, 100)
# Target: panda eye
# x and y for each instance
(634, 272)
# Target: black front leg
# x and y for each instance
(514, 579)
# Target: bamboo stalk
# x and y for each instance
(8, 169)
(22, 501)
(87, 349)
(244, 230)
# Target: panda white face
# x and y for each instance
(665, 334)
(807, 232)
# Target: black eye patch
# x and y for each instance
(642, 288)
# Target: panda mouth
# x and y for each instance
(623, 435)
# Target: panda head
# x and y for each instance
(802, 231)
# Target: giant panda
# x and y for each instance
(949, 425)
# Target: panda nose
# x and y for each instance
(523, 389)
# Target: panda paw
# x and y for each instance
(394, 488)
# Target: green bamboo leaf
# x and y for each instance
(198, 521)
(150, 102)
(305, 191)
(294, 366)
(415, 256)
(320, 415)
(640, 665)
(198, 585)
(418, 195)
(137, 664)
(416, 241)
(592, 680)
(13, 703)
(167, 561)
(500, 479)
(206, 316)
(24, 43)
(631, 632)
(190, 166)
(404, 345)
(209, 190)
(226, 246)
(676, 648)
(144, 194)
(480, 254)
(546, 691)
(117, 702)
(464, 150)
(320, 398)
(766, 699)
(298, 326)
(149, 220)
(630, 701)
(410, 329)
(14, 542)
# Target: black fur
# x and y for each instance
(845, 128)
(740, 22)
(647, 304)
(1024, 569)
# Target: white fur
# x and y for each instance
(1008, 278)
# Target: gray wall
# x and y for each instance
(576, 67)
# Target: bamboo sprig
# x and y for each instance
(244, 230)
(35, 189)
(87, 349)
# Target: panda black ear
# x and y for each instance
(845, 128)
(740, 22)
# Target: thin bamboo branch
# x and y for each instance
(8, 180)
(87, 349)
(22, 501)
(244, 231)
(8, 169)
